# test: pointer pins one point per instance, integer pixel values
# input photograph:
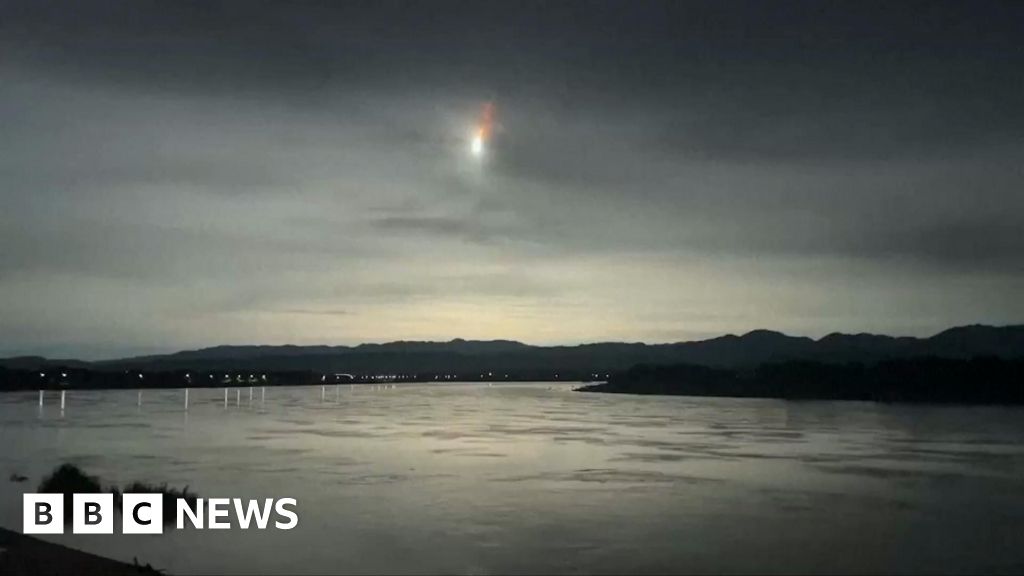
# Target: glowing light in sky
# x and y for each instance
(477, 145)
(483, 130)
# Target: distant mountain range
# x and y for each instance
(504, 356)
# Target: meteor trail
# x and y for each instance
(484, 127)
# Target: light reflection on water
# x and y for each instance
(468, 478)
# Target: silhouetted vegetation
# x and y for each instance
(69, 479)
(170, 497)
(985, 380)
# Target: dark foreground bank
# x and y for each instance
(22, 555)
(935, 380)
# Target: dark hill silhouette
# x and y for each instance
(37, 362)
(979, 380)
(467, 356)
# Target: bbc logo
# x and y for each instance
(92, 514)
(144, 513)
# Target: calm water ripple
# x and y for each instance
(534, 478)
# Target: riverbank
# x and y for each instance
(20, 380)
(22, 555)
(918, 380)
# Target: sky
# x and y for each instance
(183, 174)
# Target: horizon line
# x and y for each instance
(493, 340)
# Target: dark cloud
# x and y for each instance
(843, 130)
(651, 49)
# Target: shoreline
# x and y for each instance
(928, 380)
(203, 386)
(22, 555)
(600, 389)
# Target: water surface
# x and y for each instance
(535, 478)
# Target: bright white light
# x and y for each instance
(477, 146)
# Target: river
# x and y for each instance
(536, 478)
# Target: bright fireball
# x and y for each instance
(484, 127)
(476, 146)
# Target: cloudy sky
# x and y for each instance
(182, 174)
